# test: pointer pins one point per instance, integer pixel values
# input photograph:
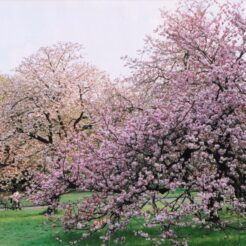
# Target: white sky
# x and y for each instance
(108, 30)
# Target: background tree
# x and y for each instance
(45, 101)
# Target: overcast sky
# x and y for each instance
(106, 29)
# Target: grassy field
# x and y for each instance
(70, 197)
(75, 196)
(32, 228)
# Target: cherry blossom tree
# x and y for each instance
(45, 101)
(190, 136)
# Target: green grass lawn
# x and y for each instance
(69, 197)
(75, 196)
(32, 228)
